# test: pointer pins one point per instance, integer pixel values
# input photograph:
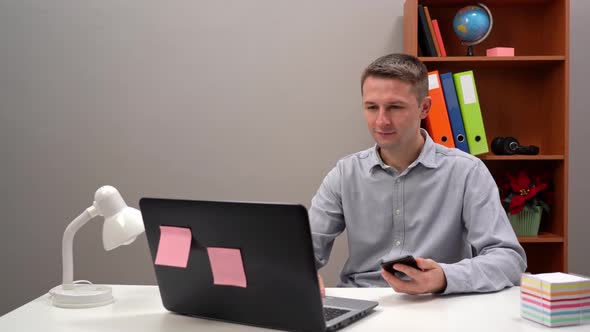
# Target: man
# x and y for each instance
(409, 195)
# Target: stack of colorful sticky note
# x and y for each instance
(555, 299)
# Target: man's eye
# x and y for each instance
(371, 108)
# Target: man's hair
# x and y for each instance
(403, 67)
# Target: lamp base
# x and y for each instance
(81, 296)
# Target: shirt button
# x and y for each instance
(397, 212)
(397, 243)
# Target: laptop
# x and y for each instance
(274, 282)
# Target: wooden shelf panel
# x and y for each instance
(496, 3)
(472, 59)
(541, 238)
(521, 157)
(532, 62)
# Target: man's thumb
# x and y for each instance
(425, 264)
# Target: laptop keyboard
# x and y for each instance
(331, 313)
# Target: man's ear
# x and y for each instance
(425, 107)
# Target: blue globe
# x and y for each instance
(471, 23)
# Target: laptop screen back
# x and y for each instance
(276, 285)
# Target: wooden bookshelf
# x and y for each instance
(523, 96)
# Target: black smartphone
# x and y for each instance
(406, 260)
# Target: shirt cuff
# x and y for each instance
(457, 282)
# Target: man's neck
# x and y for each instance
(401, 158)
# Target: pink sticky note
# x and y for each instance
(174, 246)
(227, 266)
(500, 51)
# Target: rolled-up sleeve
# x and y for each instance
(498, 258)
(326, 216)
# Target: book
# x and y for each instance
(432, 34)
(439, 40)
(424, 37)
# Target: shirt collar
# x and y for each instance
(427, 156)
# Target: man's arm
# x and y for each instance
(326, 216)
(498, 258)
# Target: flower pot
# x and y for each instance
(527, 221)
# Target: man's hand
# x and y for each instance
(322, 288)
(430, 280)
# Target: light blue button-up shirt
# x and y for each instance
(444, 206)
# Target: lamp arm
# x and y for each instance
(68, 244)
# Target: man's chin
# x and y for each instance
(387, 145)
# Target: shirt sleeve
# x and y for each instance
(326, 216)
(498, 259)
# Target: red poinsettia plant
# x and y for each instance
(522, 189)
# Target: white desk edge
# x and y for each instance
(139, 308)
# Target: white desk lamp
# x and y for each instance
(122, 225)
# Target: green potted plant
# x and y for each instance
(524, 196)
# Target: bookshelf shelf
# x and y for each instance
(525, 96)
(521, 157)
(473, 59)
(541, 238)
(498, 3)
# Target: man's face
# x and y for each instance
(392, 112)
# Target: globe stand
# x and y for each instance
(470, 50)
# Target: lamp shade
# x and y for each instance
(122, 224)
(122, 228)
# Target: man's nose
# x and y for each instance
(382, 117)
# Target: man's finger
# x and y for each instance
(391, 279)
(399, 285)
(396, 283)
(426, 264)
(408, 270)
(322, 288)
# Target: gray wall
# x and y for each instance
(210, 99)
(579, 176)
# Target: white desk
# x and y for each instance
(139, 308)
